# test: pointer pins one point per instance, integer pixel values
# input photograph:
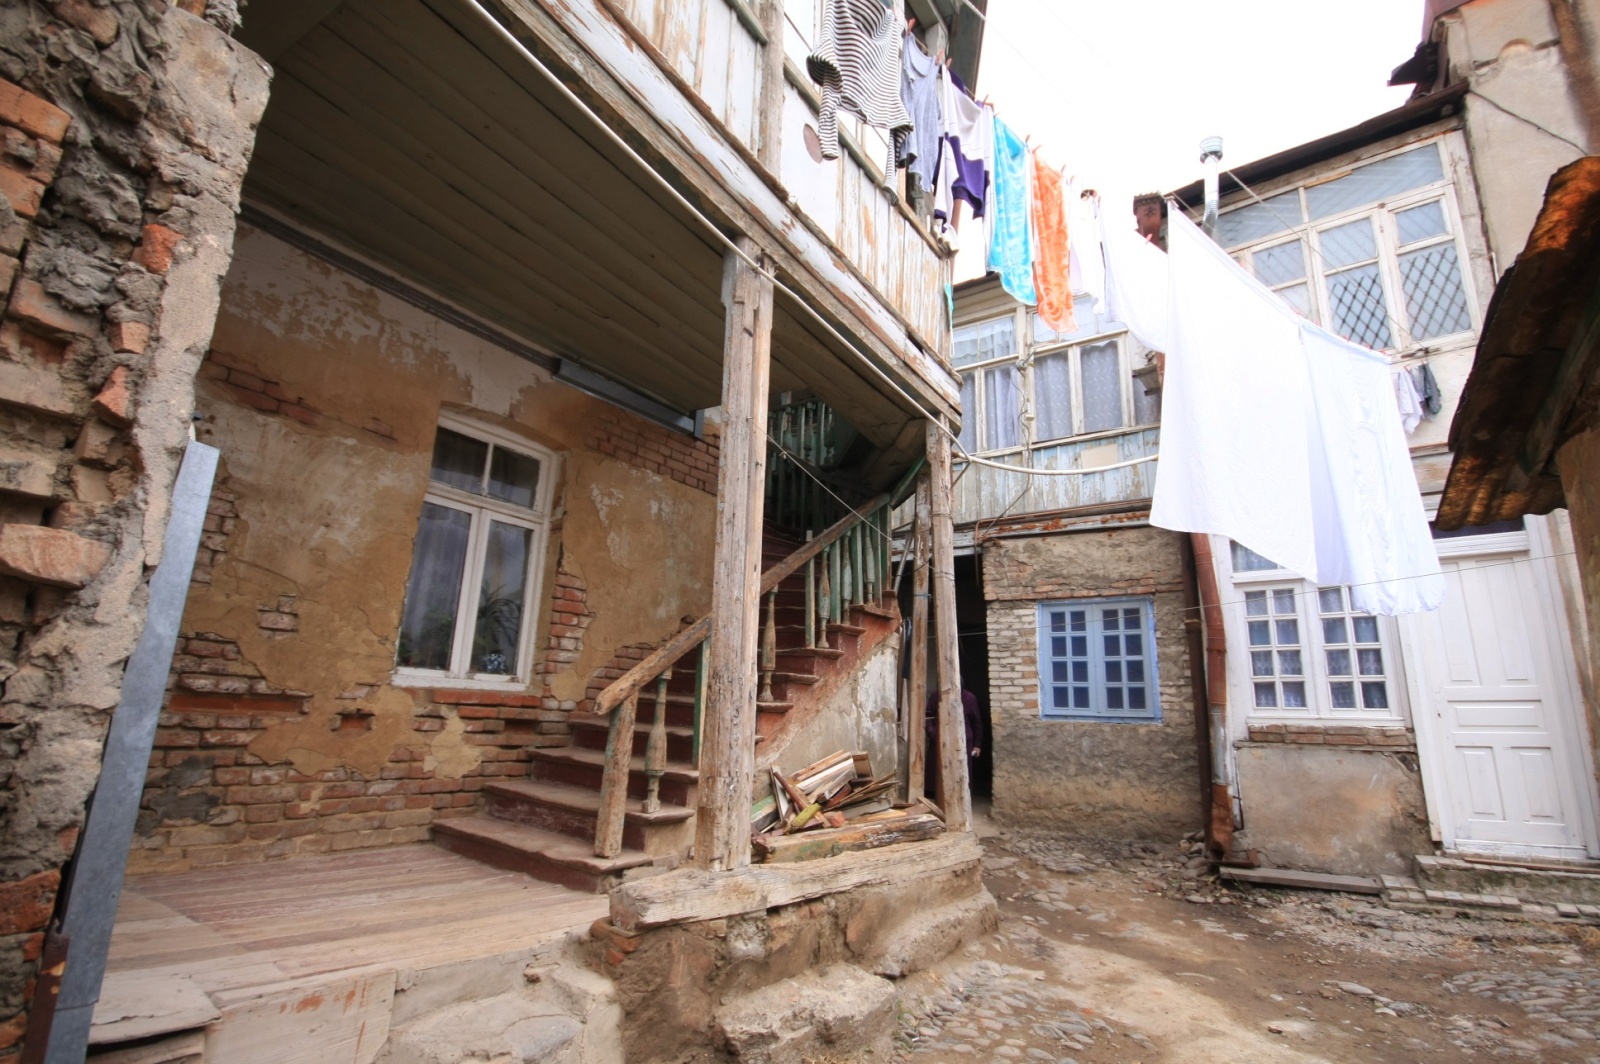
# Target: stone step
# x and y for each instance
(591, 732)
(572, 811)
(582, 767)
(542, 854)
(1550, 883)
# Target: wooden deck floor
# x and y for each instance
(410, 907)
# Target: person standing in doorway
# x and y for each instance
(973, 719)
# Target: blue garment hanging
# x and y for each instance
(1011, 242)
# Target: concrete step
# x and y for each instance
(547, 855)
(1548, 883)
(572, 811)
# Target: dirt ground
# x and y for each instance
(1125, 953)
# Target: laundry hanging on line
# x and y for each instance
(1409, 401)
(920, 90)
(1008, 214)
(857, 63)
(1052, 280)
(1275, 432)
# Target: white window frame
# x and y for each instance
(978, 416)
(1382, 213)
(1098, 713)
(1319, 700)
(1074, 351)
(483, 510)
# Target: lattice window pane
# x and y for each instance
(1436, 299)
(1281, 264)
(1298, 296)
(1376, 181)
(1420, 223)
(1102, 387)
(1359, 311)
(969, 413)
(1052, 397)
(1246, 560)
(1348, 244)
(1275, 214)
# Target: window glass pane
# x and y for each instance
(1261, 663)
(1266, 695)
(1063, 697)
(1260, 634)
(1375, 695)
(1109, 619)
(1136, 699)
(1294, 695)
(1080, 646)
(1288, 633)
(1333, 630)
(1255, 603)
(1298, 296)
(1058, 646)
(1348, 244)
(1080, 621)
(1058, 672)
(1366, 629)
(1080, 698)
(1002, 395)
(1052, 397)
(1130, 619)
(1058, 622)
(983, 341)
(1289, 663)
(1113, 645)
(1102, 387)
(969, 414)
(513, 477)
(1420, 223)
(1436, 301)
(1246, 560)
(1282, 600)
(1331, 599)
(1338, 663)
(499, 622)
(1080, 672)
(1275, 214)
(1376, 181)
(1358, 308)
(1344, 695)
(1371, 662)
(438, 558)
(1114, 698)
(1135, 672)
(1113, 672)
(458, 461)
(1133, 645)
(1280, 264)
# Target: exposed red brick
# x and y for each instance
(98, 22)
(33, 304)
(114, 403)
(265, 403)
(26, 904)
(155, 247)
(50, 556)
(21, 191)
(303, 414)
(131, 337)
(31, 114)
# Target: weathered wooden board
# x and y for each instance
(867, 835)
(342, 1021)
(689, 895)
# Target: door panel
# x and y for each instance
(1492, 689)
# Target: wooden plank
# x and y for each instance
(954, 793)
(344, 1021)
(692, 894)
(727, 749)
(756, 86)
(917, 682)
(609, 822)
(716, 52)
(865, 835)
(1290, 877)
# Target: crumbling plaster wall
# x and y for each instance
(127, 127)
(1132, 780)
(323, 395)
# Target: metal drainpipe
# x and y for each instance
(1211, 159)
(1219, 832)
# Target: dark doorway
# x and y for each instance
(972, 625)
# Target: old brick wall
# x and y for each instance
(284, 733)
(1127, 780)
(125, 131)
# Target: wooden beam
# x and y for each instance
(954, 794)
(917, 682)
(727, 750)
(769, 126)
(691, 894)
(831, 842)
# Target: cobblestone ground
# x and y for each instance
(1116, 953)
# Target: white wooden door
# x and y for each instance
(1497, 708)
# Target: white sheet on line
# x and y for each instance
(1275, 432)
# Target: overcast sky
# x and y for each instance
(1121, 93)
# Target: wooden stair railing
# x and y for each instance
(847, 565)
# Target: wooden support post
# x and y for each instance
(770, 120)
(727, 752)
(614, 786)
(954, 794)
(917, 685)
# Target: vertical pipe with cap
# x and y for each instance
(1211, 159)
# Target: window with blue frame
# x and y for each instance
(1097, 660)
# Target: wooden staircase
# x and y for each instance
(546, 825)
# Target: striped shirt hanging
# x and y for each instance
(857, 63)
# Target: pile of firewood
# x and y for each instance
(840, 805)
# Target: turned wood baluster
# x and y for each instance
(825, 596)
(811, 601)
(769, 647)
(655, 750)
